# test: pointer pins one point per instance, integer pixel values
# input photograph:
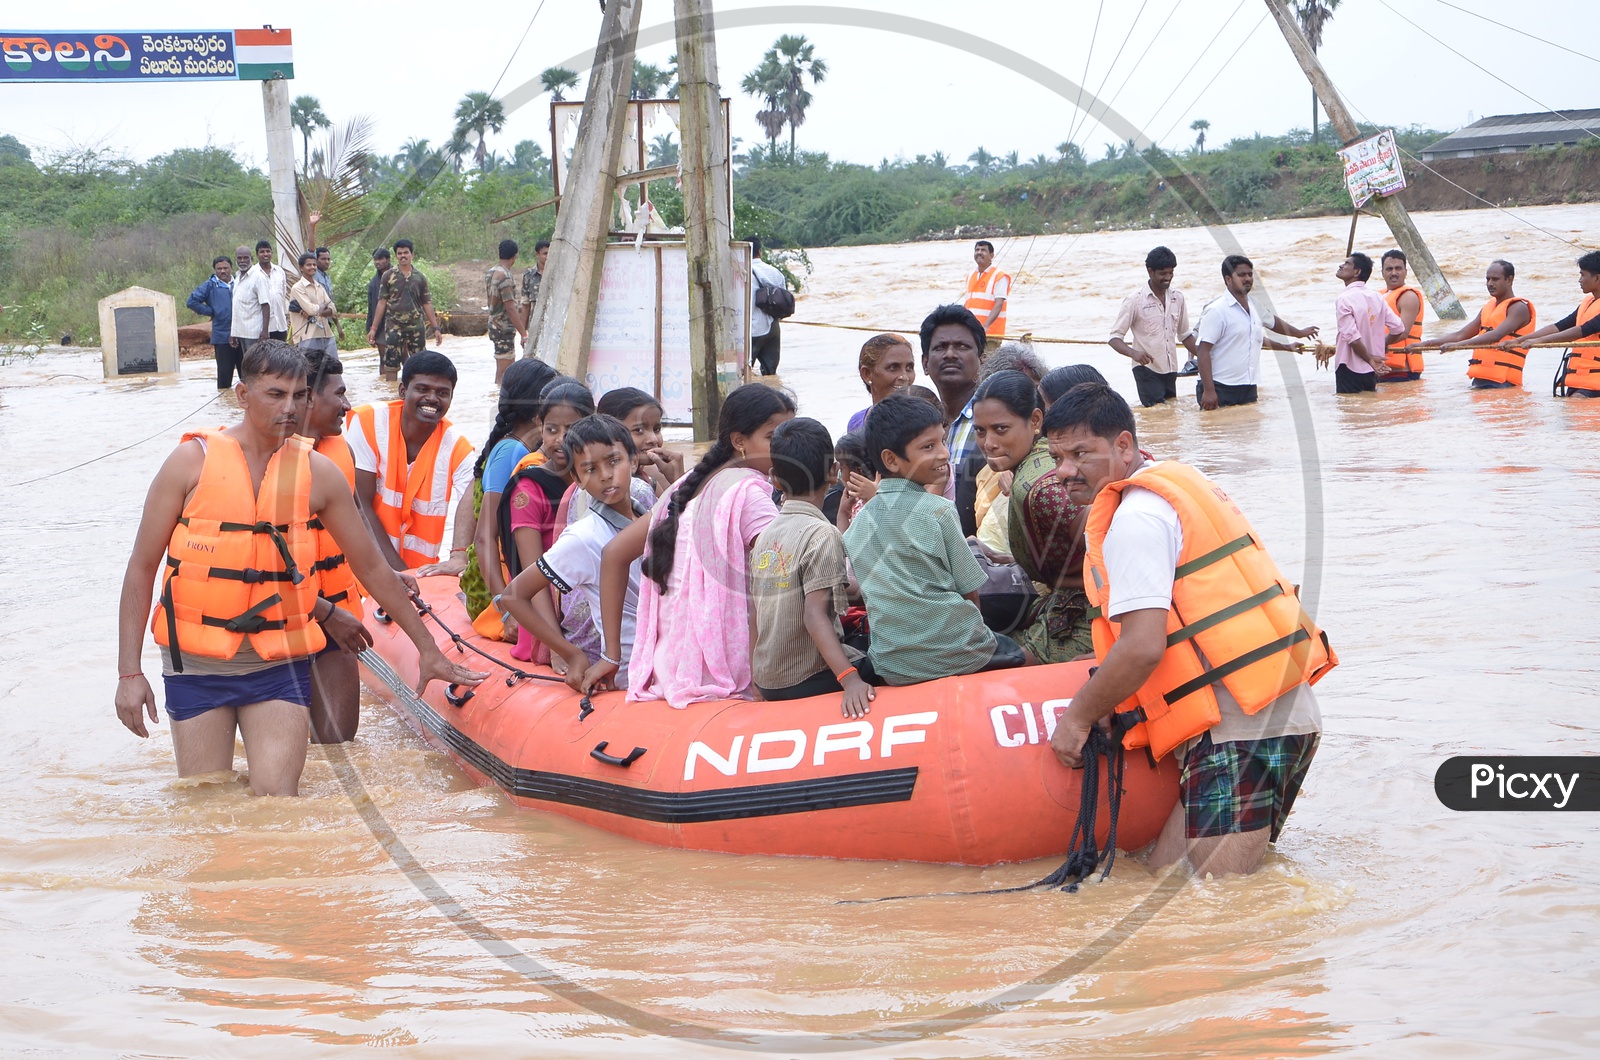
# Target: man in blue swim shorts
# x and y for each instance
(236, 512)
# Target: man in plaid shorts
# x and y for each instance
(1198, 625)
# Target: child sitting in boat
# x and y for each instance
(693, 643)
(917, 574)
(528, 522)
(798, 582)
(641, 414)
(599, 451)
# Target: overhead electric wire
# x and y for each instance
(1523, 32)
(1088, 117)
(1486, 70)
(1148, 48)
(114, 452)
(1198, 56)
(1087, 59)
(518, 48)
(1185, 112)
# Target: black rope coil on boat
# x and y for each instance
(515, 673)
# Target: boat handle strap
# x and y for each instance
(457, 699)
(599, 755)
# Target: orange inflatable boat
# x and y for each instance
(957, 770)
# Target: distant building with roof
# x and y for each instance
(1508, 133)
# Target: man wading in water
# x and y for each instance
(1227, 688)
(239, 612)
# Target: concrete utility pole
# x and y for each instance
(563, 318)
(706, 210)
(280, 169)
(1432, 281)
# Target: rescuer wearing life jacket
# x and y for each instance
(1202, 644)
(1579, 373)
(335, 678)
(238, 620)
(411, 466)
(1404, 365)
(988, 290)
(1503, 316)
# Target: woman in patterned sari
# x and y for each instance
(1047, 540)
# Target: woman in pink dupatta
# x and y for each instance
(692, 639)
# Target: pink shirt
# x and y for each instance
(692, 644)
(1364, 315)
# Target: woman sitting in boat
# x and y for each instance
(887, 365)
(600, 452)
(693, 637)
(1046, 528)
(515, 431)
(528, 520)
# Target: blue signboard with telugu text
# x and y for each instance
(128, 55)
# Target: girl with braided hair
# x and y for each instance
(515, 432)
(692, 638)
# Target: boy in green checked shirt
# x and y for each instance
(916, 571)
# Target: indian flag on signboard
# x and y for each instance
(263, 54)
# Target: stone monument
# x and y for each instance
(139, 333)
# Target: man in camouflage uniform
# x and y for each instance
(506, 318)
(530, 284)
(403, 301)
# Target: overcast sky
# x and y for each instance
(889, 92)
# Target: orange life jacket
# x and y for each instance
(1500, 366)
(981, 296)
(412, 504)
(339, 586)
(241, 563)
(1396, 357)
(1234, 619)
(1580, 368)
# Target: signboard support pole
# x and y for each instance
(1432, 281)
(563, 318)
(280, 169)
(706, 210)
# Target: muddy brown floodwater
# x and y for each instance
(1445, 538)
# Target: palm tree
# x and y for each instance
(671, 76)
(663, 151)
(305, 114)
(1313, 15)
(556, 80)
(982, 161)
(480, 114)
(1012, 161)
(1071, 155)
(797, 57)
(1200, 125)
(766, 83)
(647, 80)
(456, 149)
(331, 195)
(938, 160)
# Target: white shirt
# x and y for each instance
(254, 290)
(365, 459)
(1141, 551)
(1235, 334)
(769, 276)
(573, 565)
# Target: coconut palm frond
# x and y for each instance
(334, 194)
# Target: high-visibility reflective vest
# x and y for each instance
(1235, 620)
(412, 504)
(1500, 366)
(242, 563)
(1580, 368)
(339, 586)
(1396, 358)
(983, 290)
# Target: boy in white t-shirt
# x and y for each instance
(600, 452)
